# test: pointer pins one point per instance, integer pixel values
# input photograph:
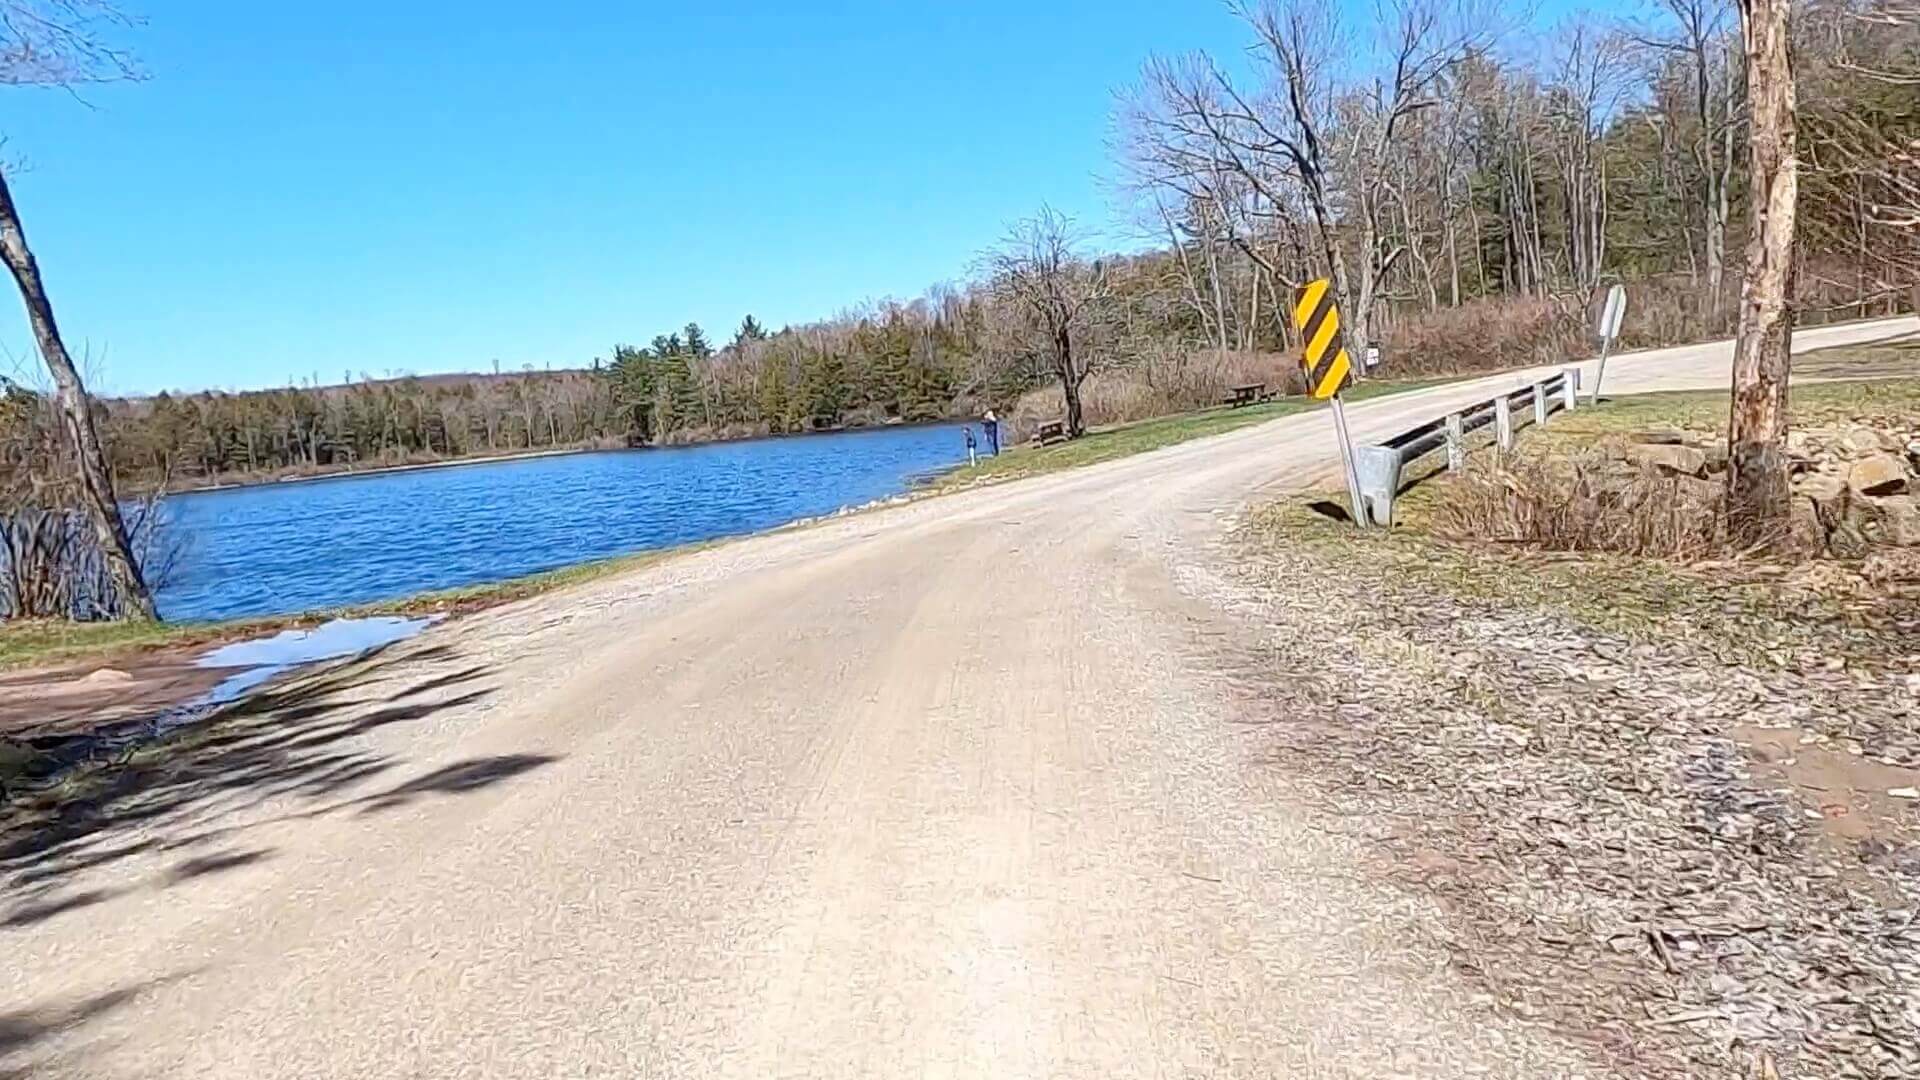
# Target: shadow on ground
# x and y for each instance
(298, 746)
(22, 1029)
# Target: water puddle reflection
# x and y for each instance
(262, 659)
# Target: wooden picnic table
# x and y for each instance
(1247, 395)
(1051, 431)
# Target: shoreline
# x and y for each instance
(551, 452)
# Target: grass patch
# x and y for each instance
(1756, 615)
(1811, 404)
(1140, 436)
(466, 598)
(1886, 360)
(38, 643)
(1769, 614)
(1106, 444)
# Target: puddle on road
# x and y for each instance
(328, 641)
(253, 664)
(263, 658)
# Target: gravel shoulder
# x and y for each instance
(1671, 812)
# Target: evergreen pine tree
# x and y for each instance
(696, 342)
(750, 330)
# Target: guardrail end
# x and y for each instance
(1378, 470)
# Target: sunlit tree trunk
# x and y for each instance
(76, 418)
(1757, 485)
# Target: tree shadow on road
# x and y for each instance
(21, 1030)
(301, 748)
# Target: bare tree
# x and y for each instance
(1757, 484)
(1592, 74)
(65, 43)
(1038, 270)
(1701, 43)
(1308, 145)
(1422, 41)
(1299, 41)
(1860, 139)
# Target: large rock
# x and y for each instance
(1859, 441)
(1669, 458)
(1824, 514)
(1660, 435)
(1881, 474)
(1823, 489)
(1899, 520)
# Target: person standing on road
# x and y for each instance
(991, 425)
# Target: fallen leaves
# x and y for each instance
(1613, 867)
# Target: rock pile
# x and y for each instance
(1854, 485)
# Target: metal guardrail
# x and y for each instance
(1381, 465)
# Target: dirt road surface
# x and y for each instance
(946, 790)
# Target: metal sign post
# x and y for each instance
(1346, 460)
(1608, 328)
(1329, 370)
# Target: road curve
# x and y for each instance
(950, 789)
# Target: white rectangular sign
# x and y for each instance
(1612, 313)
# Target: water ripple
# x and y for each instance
(285, 548)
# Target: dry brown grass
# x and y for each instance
(1587, 502)
(1521, 331)
(1483, 335)
(1158, 386)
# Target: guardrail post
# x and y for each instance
(1539, 403)
(1378, 470)
(1503, 422)
(1570, 389)
(1456, 443)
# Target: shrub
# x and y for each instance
(51, 565)
(1483, 335)
(1588, 502)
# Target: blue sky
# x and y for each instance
(305, 190)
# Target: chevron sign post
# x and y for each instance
(1329, 369)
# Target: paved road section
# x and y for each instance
(947, 790)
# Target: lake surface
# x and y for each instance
(282, 548)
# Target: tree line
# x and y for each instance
(1461, 163)
(1459, 160)
(1465, 181)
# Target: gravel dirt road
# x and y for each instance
(951, 789)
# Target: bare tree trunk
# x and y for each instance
(1724, 182)
(1219, 298)
(1070, 377)
(1247, 335)
(76, 417)
(1757, 487)
(1453, 260)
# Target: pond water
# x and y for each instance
(282, 548)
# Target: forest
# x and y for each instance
(1468, 185)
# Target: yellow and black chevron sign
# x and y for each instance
(1328, 368)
